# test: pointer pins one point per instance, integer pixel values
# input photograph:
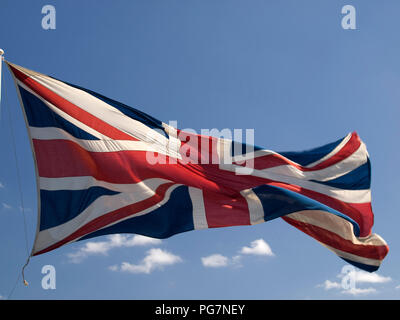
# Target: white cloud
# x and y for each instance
(6, 206)
(237, 261)
(113, 241)
(156, 258)
(367, 277)
(215, 261)
(359, 291)
(357, 277)
(139, 240)
(1, 185)
(327, 285)
(113, 268)
(258, 247)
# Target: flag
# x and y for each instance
(103, 167)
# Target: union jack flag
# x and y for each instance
(95, 177)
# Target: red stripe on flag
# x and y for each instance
(64, 158)
(274, 160)
(359, 212)
(71, 109)
(225, 210)
(349, 148)
(335, 241)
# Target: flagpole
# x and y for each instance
(1, 64)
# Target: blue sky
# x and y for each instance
(285, 68)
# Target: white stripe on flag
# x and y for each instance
(108, 145)
(64, 115)
(105, 144)
(254, 204)
(199, 211)
(349, 196)
(101, 110)
(83, 183)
